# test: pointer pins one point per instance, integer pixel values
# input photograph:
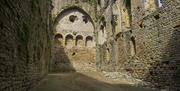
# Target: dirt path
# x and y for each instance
(81, 82)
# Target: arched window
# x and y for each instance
(160, 3)
(69, 41)
(89, 41)
(132, 46)
(58, 39)
(107, 55)
(79, 41)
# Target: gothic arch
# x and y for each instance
(64, 11)
(58, 36)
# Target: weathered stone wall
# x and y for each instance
(105, 33)
(158, 47)
(150, 50)
(74, 20)
(24, 43)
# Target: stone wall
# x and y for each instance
(158, 47)
(24, 43)
(150, 50)
(74, 23)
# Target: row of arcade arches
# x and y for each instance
(70, 40)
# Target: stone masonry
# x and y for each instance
(74, 39)
(24, 43)
(135, 40)
(149, 49)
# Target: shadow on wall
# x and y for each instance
(60, 61)
(166, 73)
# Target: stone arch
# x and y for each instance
(79, 41)
(58, 38)
(89, 41)
(69, 41)
(132, 46)
(64, 11)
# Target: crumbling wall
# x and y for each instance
(158, 47)
(24, 43)
(75, 21)
(150, 49)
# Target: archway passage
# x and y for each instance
(79, 41)
(69, 41)
(89, 41)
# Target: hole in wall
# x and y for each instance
(104, 23)
(144, 43)
(128, 70)
(157, 16)
(101, 27)
(118, 36)
(73, 54)
(151, 58)
(124, 10)
(85, 19)
(141, 25)
(151, 73)
(72, 18)
(138, 8)
(18, 16)
(130, 31)
(103, 19)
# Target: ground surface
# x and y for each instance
(83, 82)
